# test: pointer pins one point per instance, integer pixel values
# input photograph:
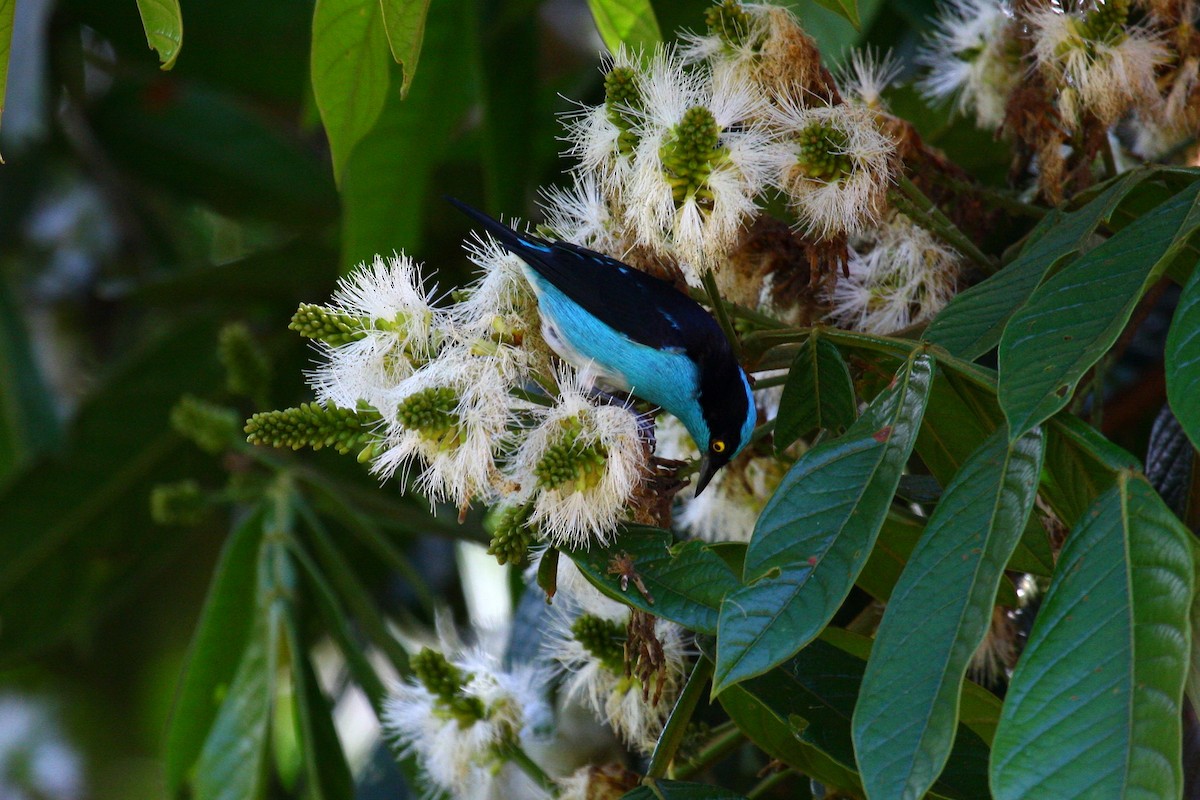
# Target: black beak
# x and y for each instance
(707, 470)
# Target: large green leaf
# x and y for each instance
(686, 582)
(844, 8)
(385, 189)
(818, 393)
(1094, 706)
(216, 650)
(233, 764)
(626, 22)
(349, 72)
(1073, 318)
(972, 322)
(812, 540)
(404, 24)
(678, 790)
(163, 23)
(940, 611)
(28, 424)
(1183, 360)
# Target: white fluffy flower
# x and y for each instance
(866, 75)
(499, 315)
(1103, 67)
(580, 464)
(459, 742)
(728, 509)
(902, 275)
(701, 161)
(733, 40)
(451, 416)
(836, 168)
(602, 137)
(583, 215)
(972, 58)
(401, 326)
(595, 673)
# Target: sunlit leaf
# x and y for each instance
(817, 530)
(626, 22)
(941, 609)
(163, 22)
(1095, 700)
(349, 72)
(404, 23)
(7, 11)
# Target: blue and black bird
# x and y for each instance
(641, 334)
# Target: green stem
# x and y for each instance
(768, 783)
(718, 305)
(681, 715)
(912, 201)
(772, 381)
(530, 767)
(720, 746)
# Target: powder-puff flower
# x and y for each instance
(36, 761)
(458, 715)
(452, 416)
(866, 75)
(396, 328)
(498, 317)
(583, 215)
(973, 57)
(700, 162)
(836, 167)
(1103, 65)
(763, 45)
(591, 651)
(901, 276)
(579, 465)
(602, 138)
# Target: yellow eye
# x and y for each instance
(718, 446)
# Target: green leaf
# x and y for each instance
(897, 538)
(216, 650)
(971, 324)
(163, 22)
(811, 542)
(385, 188)
(1095, 702)
(626, 22)
(28, 424)
(349, 72)
(1073, 318)
(686, 581)
(779, 739)
(678, 790)
(1183, 360)
(7, 9)
(818, 393)
(404, 24)
(845, 8)
(325, 766)
(939, 613)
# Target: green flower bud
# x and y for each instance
(512, 535)
(212, 427)
(247, 370)
(689, 153)
(182, 503)
(571, 461)
(432, 413)
(330, 326)
(822, 152)
(728, 21)
(622, 95)
(603, 638)
(445, 681)
(312, 425)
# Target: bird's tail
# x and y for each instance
(522, 244)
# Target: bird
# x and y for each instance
(640, 334)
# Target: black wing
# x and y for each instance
(644, 308)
